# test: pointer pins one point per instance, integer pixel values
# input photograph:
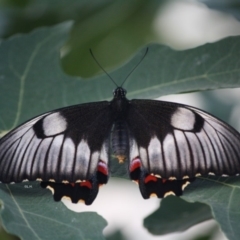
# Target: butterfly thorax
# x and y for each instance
(119, 133)
(119, 104)
(119, 92)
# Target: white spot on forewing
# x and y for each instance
(54, 124)
(155, 155)
(82, 159)
(183, 119)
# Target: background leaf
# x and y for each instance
(176, 215)
(32, 82)
(38, 217)
(130, 25)
(222, 194)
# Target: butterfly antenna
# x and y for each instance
(135, 67)
(102, 67)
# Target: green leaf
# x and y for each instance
(222, 195)
(38, 217)
(32, 82)
(176, 215)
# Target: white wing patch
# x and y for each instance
(104, 153)
(94, 162)
(170, 154)
(54, 153)
(183, 119)
(155, 154)
(185, 156)
(83, 158)
(54, 124)
(143, 157)
(133, 149)
(68, 152)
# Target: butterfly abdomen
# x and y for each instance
(120, 140)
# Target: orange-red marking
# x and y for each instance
(135, 164)
(86, 184)
(102, 167)
(150, 178)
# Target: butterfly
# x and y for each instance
(167, 145)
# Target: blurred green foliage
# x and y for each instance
(113, 29)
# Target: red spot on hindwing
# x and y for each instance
(135, 164)
(102, 167)
(87, 184)
(150, 178)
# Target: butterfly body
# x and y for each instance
(166, 145)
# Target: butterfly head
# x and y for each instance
(119, 93)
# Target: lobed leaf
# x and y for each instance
(32, 82)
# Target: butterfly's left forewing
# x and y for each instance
(173, 143)
(64, 148)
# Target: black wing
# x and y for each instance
(63, 146)
(172, 141)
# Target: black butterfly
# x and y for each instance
(166, 145)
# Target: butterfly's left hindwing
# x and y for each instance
(65, 146)
(173, 143)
